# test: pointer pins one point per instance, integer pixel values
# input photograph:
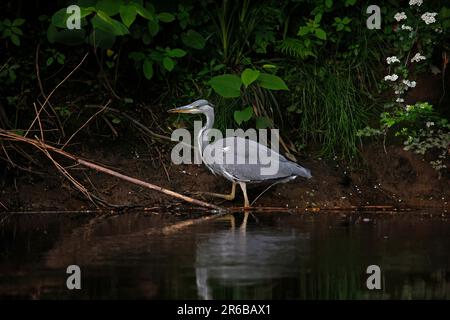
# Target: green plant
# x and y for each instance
(164, 58)
(11, 30)
(327, 107)
(245, 86)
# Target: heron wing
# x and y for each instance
(246, 160)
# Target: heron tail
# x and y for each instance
(300, 171)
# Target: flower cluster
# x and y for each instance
(392, 59)
(405, 27)
(399, 16)
(429, 17)
(418, 57)
(410, 84)
(392, 77)
(415, 2)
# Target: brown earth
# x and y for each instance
(397, 178)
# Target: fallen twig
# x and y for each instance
(45, 148)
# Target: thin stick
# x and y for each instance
(53, 91)
(89, 120)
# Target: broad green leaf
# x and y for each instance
(271, 82)
(176, 53)
(18, 22)
(263, 123)
(50, 61)
(166, 17)
(243, 115)
(59, 19)
(147, 67)
(104, 22)
(328, 3)
(110, 7)
(143, 12)
(17, 31)
(303, 31)
(127, 14)
(193, 39)
(321, 34)
(15, 39)
(249, 76)
(153, 27)
(227, 85)
(168, 63)
(318, 18)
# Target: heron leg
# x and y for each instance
(229, 196)
(244, 191)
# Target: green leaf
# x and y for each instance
(176, 53)
(153, 27)
(115, 120)
(50, 61)
(17, 31)
(328, 3)
(18, 22)
(104, 22)
(168, 63)
(127, 14)
(110, 7)
(15, 39)
(318, 18)
(243, 115)
(249, 76)
(143, 12)
(193, 39)
(303, 31)
(147, 67)
(271, 82)
(263, 123)
(321, 34)
(166, 17)
(227, 85)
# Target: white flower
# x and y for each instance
(415, 2)
(429, 17)
(393, 77)
(418, 57)
(410, 84)
(429, 124)
(400, 100)
(409, 107)
(438, 30)
(392, 59)
(405, 27)
(399, 16)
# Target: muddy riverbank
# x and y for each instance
(397, 178)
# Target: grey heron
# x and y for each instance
(245, 164)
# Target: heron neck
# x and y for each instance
(203, 136)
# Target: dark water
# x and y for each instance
(277, 256)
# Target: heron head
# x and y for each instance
(199, 106)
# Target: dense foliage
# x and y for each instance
(309, 67)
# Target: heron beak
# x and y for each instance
(183, 109)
